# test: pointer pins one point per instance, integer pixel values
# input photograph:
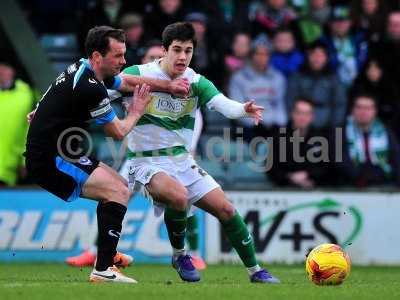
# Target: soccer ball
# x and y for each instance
(328, 264)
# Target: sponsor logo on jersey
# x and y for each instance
(92, 80)
(167, 106)
(105, 101)
(72, 68)
(100, 111)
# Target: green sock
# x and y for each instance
(176, 222)
(192, 235)
(240, 238)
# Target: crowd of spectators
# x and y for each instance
(315, 65)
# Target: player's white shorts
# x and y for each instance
(183, 168)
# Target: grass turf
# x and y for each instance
(57, 281)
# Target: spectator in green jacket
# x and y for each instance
(16, 100)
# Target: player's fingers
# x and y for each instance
(136, 91)
(143, 89)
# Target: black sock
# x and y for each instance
(109, 222)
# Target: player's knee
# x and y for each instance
(125, 193)
(180, 199)
(119, 193)
(226, 212)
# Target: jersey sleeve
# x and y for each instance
(113, 83)
(132, 70)
(205, 90)
(98, 102)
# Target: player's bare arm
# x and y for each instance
(120, 128)
(179, 87)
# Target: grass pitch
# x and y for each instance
(58, 281)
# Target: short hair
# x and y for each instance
(283, 29)
(317, 45)
(150, 44)
(363, 94)
(180, 31)
(98, 39)
(305, 100)
(153, 43)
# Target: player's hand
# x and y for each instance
(179, 87)
(29, 117)
(254, 111)
(141, 97)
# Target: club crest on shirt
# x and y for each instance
(85, 161)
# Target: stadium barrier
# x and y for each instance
(287, 225)
(35, 226)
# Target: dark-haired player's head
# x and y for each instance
(105, 47)
(179, 41)
(302, 113)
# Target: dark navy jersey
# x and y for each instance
(73, 99)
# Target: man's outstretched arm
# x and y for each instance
(179, 87)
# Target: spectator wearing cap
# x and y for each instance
(371, 154)
(317, 81)
(207, 57)
(132, 24)
(347, 51)
(261, 82)
(16, 101)
(268, 15)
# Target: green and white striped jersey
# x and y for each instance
(166, 128)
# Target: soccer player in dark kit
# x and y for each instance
(54, 153)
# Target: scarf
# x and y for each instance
(378, 144)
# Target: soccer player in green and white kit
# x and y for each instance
(161, 165)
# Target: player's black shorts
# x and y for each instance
(62, 178)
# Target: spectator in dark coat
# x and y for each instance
(371, 154)
(302, 164)
(133, 26)
(373, 80)
(387, 50)
(369, 16)
(268, 15)
(161, 15)
(316, 81)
